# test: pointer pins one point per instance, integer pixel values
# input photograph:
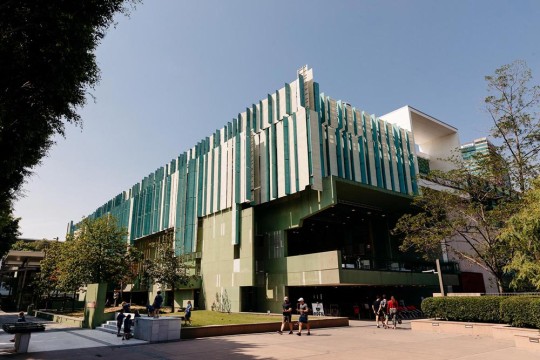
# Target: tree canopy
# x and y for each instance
(167, 269)
(513, 105)
(522, 233)
(467, 219)
(47, 65)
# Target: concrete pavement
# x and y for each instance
(60, 337)
(360, 340)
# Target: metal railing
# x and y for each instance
(378, 264)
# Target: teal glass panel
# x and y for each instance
(270, 108)
(274, 168)
(301, 85)
(278, 112)
(287, 98)
(286, 155)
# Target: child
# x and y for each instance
(21, 318)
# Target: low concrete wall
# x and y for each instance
(506, 332)
(62, 319)
(531, 343)
(221, 330)
(452, 327)
(528, 339)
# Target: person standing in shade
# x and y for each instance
(158, 301)
(127, 327)
(376, 307)
(287, 315)
(303, 311)
(119, 321)
(187, 314)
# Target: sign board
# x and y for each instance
(318, 309)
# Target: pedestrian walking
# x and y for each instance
(303, 319)
(392, 311)
(287, 315)
(187, 313)
(383, 311)
(376, 307)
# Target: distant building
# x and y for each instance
(294, 196)
(18, 269)
(478, 148)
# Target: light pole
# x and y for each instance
(438, 272)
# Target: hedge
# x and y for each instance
(519, 311)
(458, 308)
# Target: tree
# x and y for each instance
(468, 218)
(97, 253)
(47, 282)
(513, 107)
(39, 245)
(464, 221)
(47, 64)
(9, 226)
(522, 232)
(166, 268)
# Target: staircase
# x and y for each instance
(110, 326)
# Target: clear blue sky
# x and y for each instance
(175, 71)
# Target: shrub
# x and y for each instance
(474, 308)
(521, 311)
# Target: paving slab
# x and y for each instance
(361, 340)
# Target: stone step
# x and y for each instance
(107, 330)
(110, 326)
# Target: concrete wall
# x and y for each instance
(221, 272)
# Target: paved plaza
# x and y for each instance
(360, 340)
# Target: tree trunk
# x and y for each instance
(173, 298)
(500, 285)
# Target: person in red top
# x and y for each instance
(392, 307)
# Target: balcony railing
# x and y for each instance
(378, 264)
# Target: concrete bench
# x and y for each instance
(22, 331)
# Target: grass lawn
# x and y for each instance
(203, 317)
(206, 317)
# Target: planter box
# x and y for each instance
(165, 328)
(62, 319)
(222, 330)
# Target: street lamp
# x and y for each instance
(438, 272)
